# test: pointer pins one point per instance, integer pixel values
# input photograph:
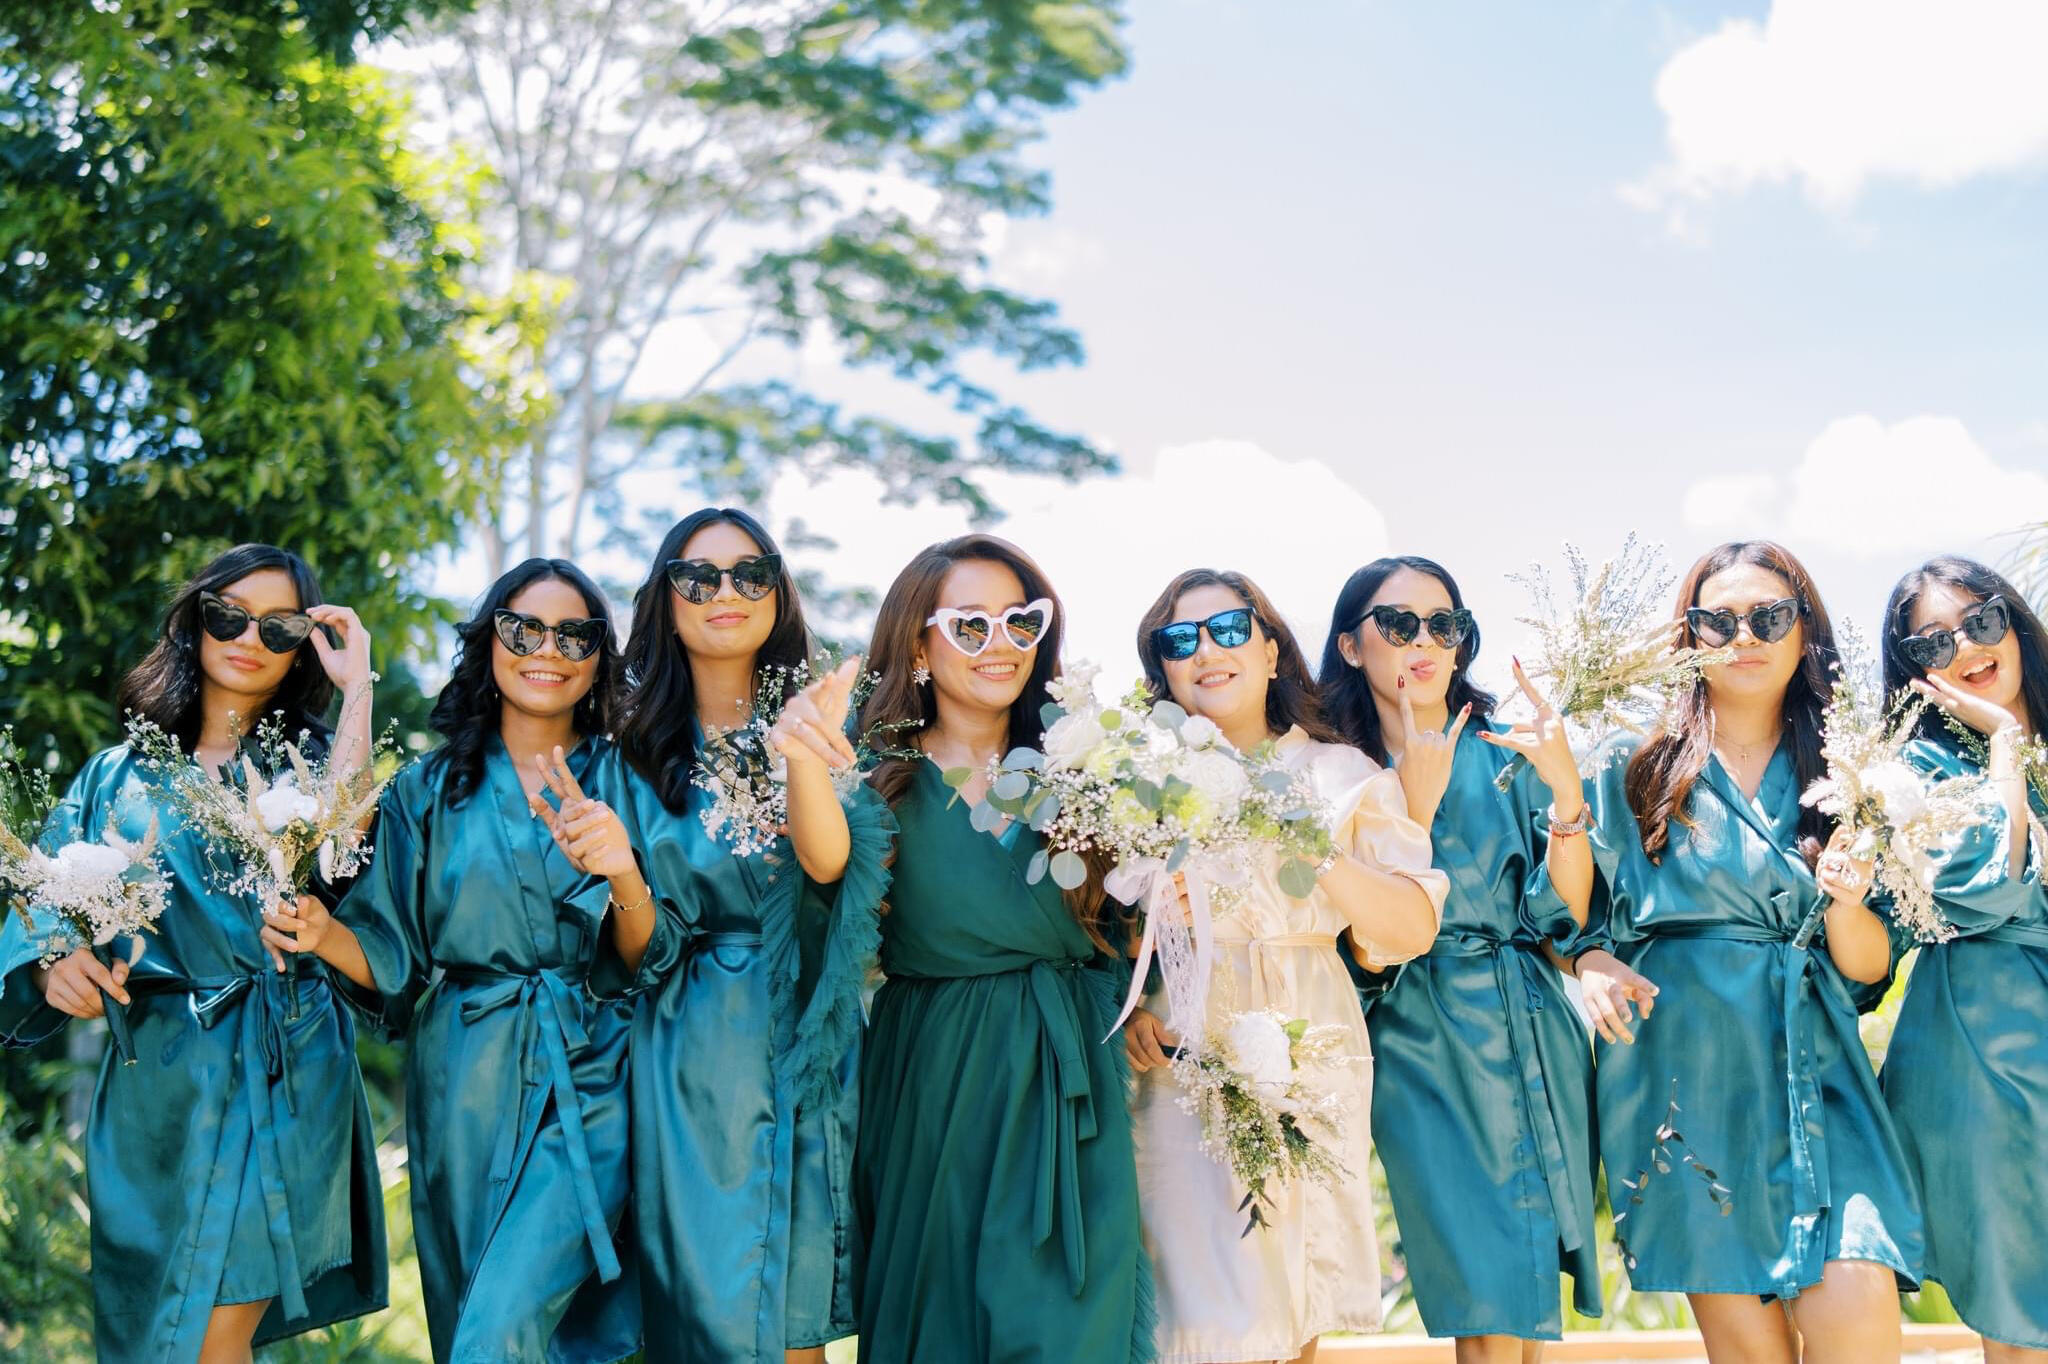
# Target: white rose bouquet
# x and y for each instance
(95, 891)
(1885, 809)
(1254, 1090)
(276, 832)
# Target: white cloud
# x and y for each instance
(1870, 490)
(1110, 545)
(1836, 93)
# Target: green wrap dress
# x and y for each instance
(233, 1160)
(994, 1179)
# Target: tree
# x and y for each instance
(731, 167)
(232, 307)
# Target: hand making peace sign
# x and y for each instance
(587, 831)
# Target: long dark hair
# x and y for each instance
(1661, 774)
(1975, 580)
(1290, 697)
(658, 719)
(164, 687)
(469, 708)
(1347, 696)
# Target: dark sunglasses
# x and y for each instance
(1180, 639)
(1769, 621)
(698, 579)
(1986, 623)
(576, 638)
(1399, 627)
(280, 631)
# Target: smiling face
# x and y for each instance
(543, 684)
(1990, 671)
(1422, 665)
(1759, 670)
(1226, 685)
(242, 667)
(993, 679)
(727, 626)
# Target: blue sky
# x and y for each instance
(1400, 241)
(1468, 280)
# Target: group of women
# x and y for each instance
(649, 1106)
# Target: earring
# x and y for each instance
(920, 674)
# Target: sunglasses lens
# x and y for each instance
(1713, 628)
(1230, 628)
(756, 578)
(579, 639)
(1397, 627)
(521, 634)
(282, 634)
(1449, 628)
(1773, 623)
(1026, 628)
(970, 634)
(1988, 623)
(222, 621)
(1178, 640)
(1934, 650)
(695, 579)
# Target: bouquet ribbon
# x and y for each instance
(1146, 882)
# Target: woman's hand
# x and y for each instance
(1610, 989)
(348, 666)
(73, 984)
(589, 832)
(297, 928)
(812, 726)
(1426, 758)
(1543, 741)
(1842, 877)
(1984, 716)
(1147, 1042)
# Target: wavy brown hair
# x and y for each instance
(902, 707)
(1291, 697)
(1663, 771)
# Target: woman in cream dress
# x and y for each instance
(1226, 1297)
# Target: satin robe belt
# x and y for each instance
(1515, 968)
(265, 1051)
(1806, 1118)
(705, 942)
(1261, 950)
(1069, 1105)
(550, 1026)
(2024, 935)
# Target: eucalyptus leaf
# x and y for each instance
(1169, 714)
(1011, 786)
(1069, 872)
(1021, 759)
(1044, 811)
(1034, 871)
(1297, 878)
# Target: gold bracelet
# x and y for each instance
(647, 903)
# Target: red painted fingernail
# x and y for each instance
(1400, 682)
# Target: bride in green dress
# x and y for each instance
(994, 1180)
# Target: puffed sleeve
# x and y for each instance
(1371, 824)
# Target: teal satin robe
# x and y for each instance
(1482, 1108)
(745, 1056)
(995, 1180)
(1775, 1091)
(1967, 1078)
(480, 936)
(233, 1161)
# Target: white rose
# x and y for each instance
(1899, 789)
(1262, 1048)
(1071, 739)
(91, 862)
(1199, 731)
(282, 804)
(1075, 686)
(1217, 775)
